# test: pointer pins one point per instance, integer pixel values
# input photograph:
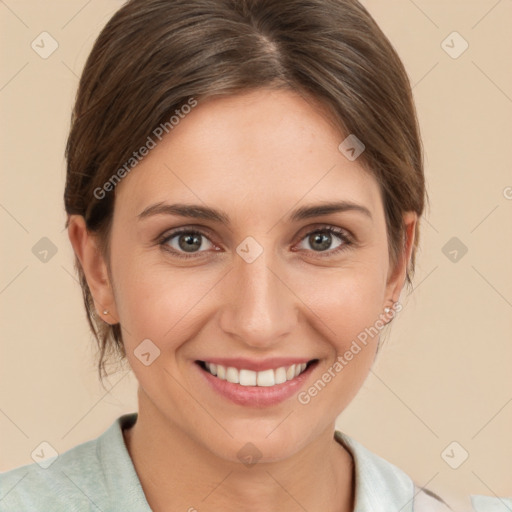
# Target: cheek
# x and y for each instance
(160, 303)
(345, 302)
(347, 307)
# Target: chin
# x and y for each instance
(256, 446)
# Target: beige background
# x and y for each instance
(444, 374)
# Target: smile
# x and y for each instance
(263, 384)
(244, 377)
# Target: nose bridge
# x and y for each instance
(259, 308)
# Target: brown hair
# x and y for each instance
(153, 56)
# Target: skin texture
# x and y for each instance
(256, 156)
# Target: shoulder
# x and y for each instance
(382, 486)
(54, 481)
(80, 479)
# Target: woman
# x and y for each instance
(244, 191)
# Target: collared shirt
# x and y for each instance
(99, 475)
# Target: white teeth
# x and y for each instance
(248, 378)
(232, 375)
(221, 372)
(265, 378)
(280, 375)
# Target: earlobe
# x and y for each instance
(85, 246)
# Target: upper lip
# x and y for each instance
(255, 365)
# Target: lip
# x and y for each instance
(256, 396)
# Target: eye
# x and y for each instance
(320, 240)
(185, 243)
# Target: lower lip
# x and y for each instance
(257, 396)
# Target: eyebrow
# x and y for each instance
(207, 213)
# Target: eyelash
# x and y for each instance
(347, 240)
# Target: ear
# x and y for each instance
(95, 269)
(397, 275)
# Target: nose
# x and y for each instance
(260, 309)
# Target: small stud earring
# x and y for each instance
(105, 311)
(387, 310)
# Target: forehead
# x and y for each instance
(257, 149)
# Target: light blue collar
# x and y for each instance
(127, 493)
(379, 485)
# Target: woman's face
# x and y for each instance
(256, 287)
